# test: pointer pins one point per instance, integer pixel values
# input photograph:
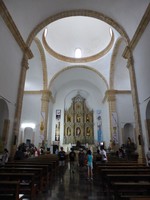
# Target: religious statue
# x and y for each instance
(88, 131)
(78, 131)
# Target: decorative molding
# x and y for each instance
(113, 59)
(110, 94)
(79, 66)
(14, 30)
(41, 92)
(78, 60)
(140, 30)
(43, 60)
(33, 92)
(81, 12)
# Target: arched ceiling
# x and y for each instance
(89, 34)
(88, 30)
(78, 74)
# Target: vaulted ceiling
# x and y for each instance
(54, 30)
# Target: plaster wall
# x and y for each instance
(10, 57)
(124, 107)
(31, 113)
(94, 101)
(142, 71)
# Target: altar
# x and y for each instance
(78, 122)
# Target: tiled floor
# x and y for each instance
(74, 186)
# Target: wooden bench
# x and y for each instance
(42, 160)
(36, 171)
(130, 188)
(27, 185)
(128, 177)
(125, 171)
(135, 197)
(99, 168)
(45, 171)
(9, 190)
(125, 178)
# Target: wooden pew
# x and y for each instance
(45, 171)
(127, 177)
(125, 171)
(130, 188)
(9, 190)
(99, 168)
(135, 197)
(42, 177)
(110, 178)
(36, 171)
(48, 159)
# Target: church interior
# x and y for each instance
(75, 74)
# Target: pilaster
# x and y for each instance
(46, 94)
(17, 118)
(111, 98)
(138, 127)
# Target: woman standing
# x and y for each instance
(90, 164)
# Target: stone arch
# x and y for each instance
(81, 12)
(112, 65)
(81, 66)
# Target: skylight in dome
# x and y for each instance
(78, 53)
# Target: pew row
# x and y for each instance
(27, 185)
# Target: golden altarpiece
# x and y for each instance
(78, 122)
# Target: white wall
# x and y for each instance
(94, 101)
(31, 113)
(124, 107)
(142, 70)
(10, 57)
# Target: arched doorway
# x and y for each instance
(28, 136)
(128, 132)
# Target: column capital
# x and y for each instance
(110, 95)
(46, 95)
(25, 63)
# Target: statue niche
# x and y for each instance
(78, 122)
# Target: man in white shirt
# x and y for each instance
(104, 155)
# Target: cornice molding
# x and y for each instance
(110, 94)
(40, 92)
(78, 60)
(14, 30)
(140, 30)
